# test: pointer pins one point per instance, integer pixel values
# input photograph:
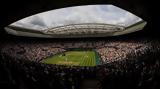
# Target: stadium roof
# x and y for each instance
(78, 21)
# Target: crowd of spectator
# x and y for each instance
(109, 51)
(127, 64)
(33, 52)
(115, 51)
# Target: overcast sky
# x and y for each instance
(108, 14)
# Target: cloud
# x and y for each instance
(108, 14)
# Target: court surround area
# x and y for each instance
(74, 57)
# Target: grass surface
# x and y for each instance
(75, 58)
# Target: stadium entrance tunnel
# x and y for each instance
(74, 57)
(90, 84)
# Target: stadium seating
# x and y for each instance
(127, 64)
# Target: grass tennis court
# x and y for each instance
(73, 58)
